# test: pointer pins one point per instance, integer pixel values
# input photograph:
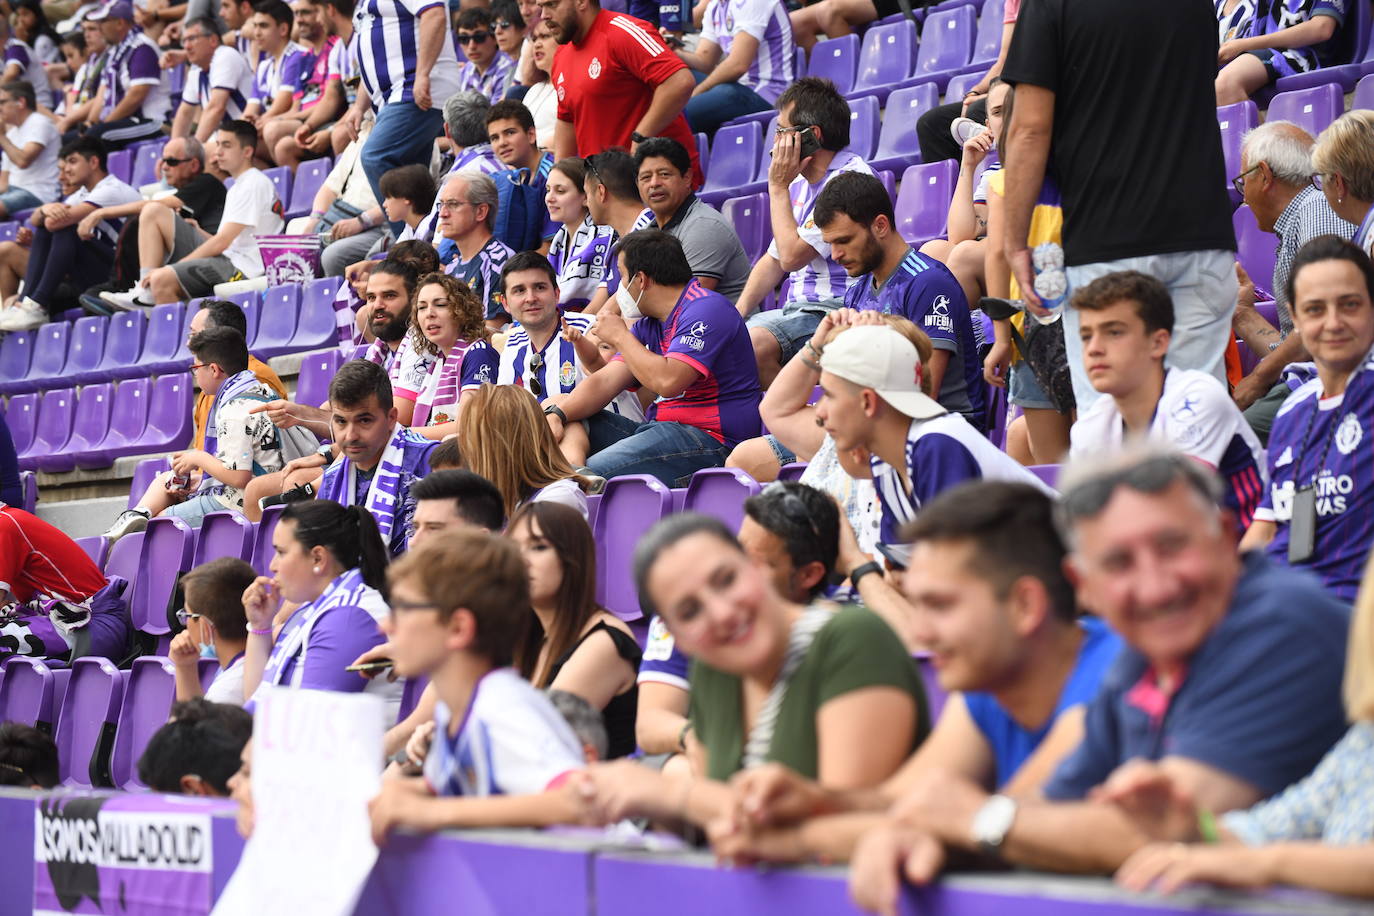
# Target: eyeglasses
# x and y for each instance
(183, 616)
(474, 38)
(536, 372)
(195, 36)
(451, 204)
(172, 163)
(1239, 181)
(504, 24)
(195, 366)
(411, 606)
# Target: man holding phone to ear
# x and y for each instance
(808, 150)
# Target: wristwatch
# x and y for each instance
(556, 410)
(863, 569)
(637, 137)
(992, 823)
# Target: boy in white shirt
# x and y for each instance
(458, 603)
(215, 628)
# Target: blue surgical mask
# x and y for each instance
(207, 649)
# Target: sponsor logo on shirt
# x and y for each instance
(1349, 434)
(1285, 458)
(484, 374)
(693, 338)
(938, 316)
(594, 68)
(1186, 408)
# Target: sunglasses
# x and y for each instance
(473, 38)
(504, 24)
(173, 163)
(536, 371)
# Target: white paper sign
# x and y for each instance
(317, 758)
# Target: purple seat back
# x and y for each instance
(720, 492)
(1048, 473)
(169, 414)
(120, 164)
(904, 107)
(1255, 249)
(887, 56)
(281, 307)
(147, 157)
(835, 59)
(310, 177)
(86, 724)
(959, 85)
(593, 506)
(208, 669)
(317, 371)
(930, 679)
(749, 216)
(86, 348)
(792, 471)
(262, 538)
(770, 132)
(1234, 120)
(148, 698)
(630, 505)
(281, 180)
(996, 399)
(123, 346)
(16, 356)
(1364, 91)
(165, 338)
(123, 561)
(52, 432)
(26, 693)
(223, 534)
(316, 327)
(733, 155)
(49, 352)
(922, 205)
(96, 548)
(410, 695)
(91, 422)
(21, 416)
(863, 126)
(128, 423)
(168, 546)
(987, 44)
(889, 181)
(1311, 109)
(946, 40)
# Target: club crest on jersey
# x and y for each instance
(594, 68)
(567, 374)
(1349, 434)
(561, 91)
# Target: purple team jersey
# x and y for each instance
(705, 331)
(770, 69)
(923, 291)
(289, 71)
(492, 84)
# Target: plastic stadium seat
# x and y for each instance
(1364, 93)
(128, 423)
(922, 205)
(897, 143)
(317, 371)
(1311, 109)
(125, 555)
(91, 422)
(720, 492)
(123, 347)
(164, 339)
(147, 158)
(770, 131)
(630, 505)
(1048, 473)
(86, 349)
(168, 546)
(51, 433)
(148, 698)
(835, 59)
(733, 155)
(863, 126)
(792, 471)
(86, 723)
(277, 316)
(946, 43)
(145, 472)
(1255, 249)
(935, 694)
(223, 534)
(703, 151)
(888, 54)
(310, 177)
(959, 85)
(1234, 120)
(749, 216)
(49, 356)
(26, 693)
(987, 44)
(8, 230)
(1345, 75)
(120, 164)
(96, 548)
(16, 356)
(262, 538)
(281, 179)
(410, 696)
(169, 414)
(889, 181)
(316, 327)
(21, 416)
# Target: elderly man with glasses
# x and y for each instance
(219, 82)
(467, 213)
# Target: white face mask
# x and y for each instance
(629, 305)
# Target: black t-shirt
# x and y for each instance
(204, 200)
(1135, 146)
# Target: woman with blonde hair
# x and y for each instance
(448, 325)
(1344, 161)
(502, 435)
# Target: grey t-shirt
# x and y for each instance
(712, 246)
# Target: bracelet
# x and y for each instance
(682, 736)
(814, 367)
(266, 632)
(316, 214)
(811, 348)
(858, 572)
(1207, 826)
(364, 220)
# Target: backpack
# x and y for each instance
(520, 213)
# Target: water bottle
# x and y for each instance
(1051, 282)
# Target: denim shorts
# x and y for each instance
(1023, 389)
(781, 452)
(194, 509)
(791, 329)
(16, 199)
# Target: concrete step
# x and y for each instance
(80, 518)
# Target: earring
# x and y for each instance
(316, 570)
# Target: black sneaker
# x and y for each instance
(94, 305)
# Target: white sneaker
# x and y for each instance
(965, 129)
(24, 315)
(129, 521)
(129, 300)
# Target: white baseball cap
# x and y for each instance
(878, 357)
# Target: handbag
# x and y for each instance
(1042, 348)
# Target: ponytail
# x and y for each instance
(349, 534)
(373, 555)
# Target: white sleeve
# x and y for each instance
(190, 93)
(222, 69)
(754, 16)
(1202, 420)
(531, 746)
(708, 22)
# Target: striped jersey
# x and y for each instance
(822, 280)
(645, 220)
(343, 65)
(478, 158)
(492, 84)
(771, 69)
(229, 71)
(30, 63)
(134, 62)
(1196, 416)
(284, 73)
(388, 42)
(482, 274)
(555, 368)
(582, 260)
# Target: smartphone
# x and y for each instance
(810, 144)
(380, 664)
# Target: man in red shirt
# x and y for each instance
(617, 83)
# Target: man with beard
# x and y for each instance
(854, 214)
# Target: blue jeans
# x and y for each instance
(403, 135)
(672, 452)
(15, 199)
(194, 510)
(722, 103)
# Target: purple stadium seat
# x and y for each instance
(168, 546)
(148, 698)
(792, 471)
(145, 472)
(1364, 93)
(1345, 74)
(889, 181)
(120, 164)
(96, 548)
(749, 216)
(176, 80)
(733, 154)
(897, 145)
(946, 43)
(165, 338)
(28, 482)
(26, 693)
(835, 59)
(147, 158)
(16, 355)
(1234, 120)
(316, 326)
(310, 177)
(124, 557)
(86, 723)
(987, 44)
(886, 59)
(1048, 473)
(52, 432)
(169, 414)
(960, 84)
(123, 345)
(262, 538)
(208, 669)
(49, 356)
(630, 505)
(8, 230)
(281, 178)
(922, 205)
(91, 422)
(410, 695)
(128, 423)
(863, 125)
(317, 371)
(1311, 109)
(21, 416)
(703, 151)
(277, 316)
(720, 492)
(1255, 249)
(86, 350)
(935, 694)
(223, 534)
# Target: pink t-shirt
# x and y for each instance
(1009, 11)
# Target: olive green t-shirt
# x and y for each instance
(853, 650)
